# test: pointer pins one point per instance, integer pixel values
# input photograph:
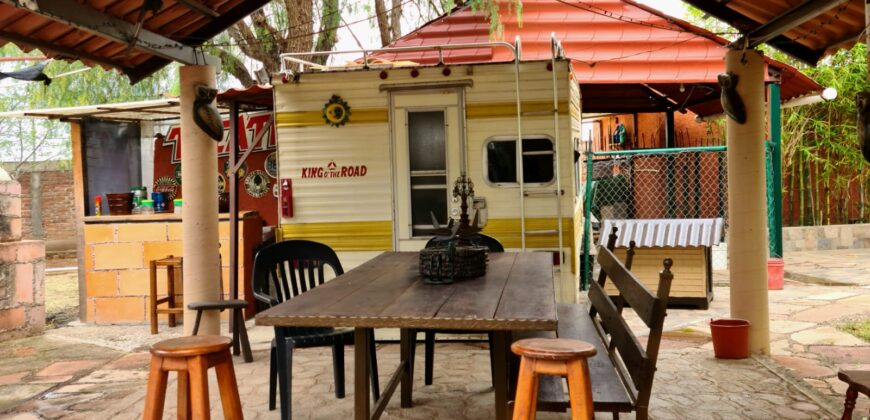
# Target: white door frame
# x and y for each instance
(451, 101)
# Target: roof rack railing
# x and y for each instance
(288, 60)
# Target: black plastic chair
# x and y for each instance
(429, 344)
(285, 270)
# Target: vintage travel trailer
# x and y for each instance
(369, 151)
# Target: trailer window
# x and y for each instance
(538, 161)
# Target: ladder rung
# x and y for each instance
(546, 193)
(542, 232)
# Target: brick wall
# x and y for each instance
(22, 268)
(117, 263)
(57, 206)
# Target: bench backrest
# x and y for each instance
(637, 363)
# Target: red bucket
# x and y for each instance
(730, 338)
(775, 268)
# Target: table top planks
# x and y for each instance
(517, 293)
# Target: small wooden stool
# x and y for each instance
(553, 356)
(859, 381)
(173, 265)
(192, 357)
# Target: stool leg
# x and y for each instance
(849, 405)
(183, 395)
(198, 368)
(152, 300)
(196, 323)
(526, 399)
(226, 377)
(156, 393)
(243, 336)
(170, 290)
(580, 390)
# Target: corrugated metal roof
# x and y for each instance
(609, 42)
(256, 97)
(663, 232)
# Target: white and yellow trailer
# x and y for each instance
(366, 183)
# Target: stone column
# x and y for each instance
(747, 205)
(200, 211)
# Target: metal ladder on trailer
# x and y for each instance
(541, 193)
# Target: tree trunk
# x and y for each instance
(330, 17)
(396, 20)
(383, 22)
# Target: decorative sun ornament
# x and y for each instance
(336, 111)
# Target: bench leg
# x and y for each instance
(641, 413)
(849, 405)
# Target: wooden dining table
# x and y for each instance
(515, 294)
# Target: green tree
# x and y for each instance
(27, 141)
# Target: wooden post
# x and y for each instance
(747, 200)
(200, 212)
(79, 206)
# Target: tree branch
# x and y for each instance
(232, 65)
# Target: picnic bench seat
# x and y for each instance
(622, 371)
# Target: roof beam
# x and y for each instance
(198, 8)
(744, 24)
(212, 28)
(789, 20)
(67, 52)
(107, 26)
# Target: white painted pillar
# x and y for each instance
(200, 211)
(747, 204)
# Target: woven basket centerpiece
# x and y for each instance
(452, 255)
(443, 264)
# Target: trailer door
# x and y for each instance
(427, 154)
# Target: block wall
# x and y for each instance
(823, 238)
(22, 270)
(55, 189)
(117, 260)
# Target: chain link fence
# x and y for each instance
(688, 183)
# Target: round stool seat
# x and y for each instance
(553, 348)
(191, 346)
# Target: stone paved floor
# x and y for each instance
(842, 266)
(99, 372)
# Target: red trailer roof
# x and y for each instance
(615, 42)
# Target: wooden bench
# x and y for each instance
(622, 370)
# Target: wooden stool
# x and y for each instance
(553, 356)
(173, 265)
(859, 381)
(192, 357)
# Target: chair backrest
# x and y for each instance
(289, 268)
(638, 363)
(478, 239)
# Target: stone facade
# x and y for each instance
(821, 238)
(22, 270)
